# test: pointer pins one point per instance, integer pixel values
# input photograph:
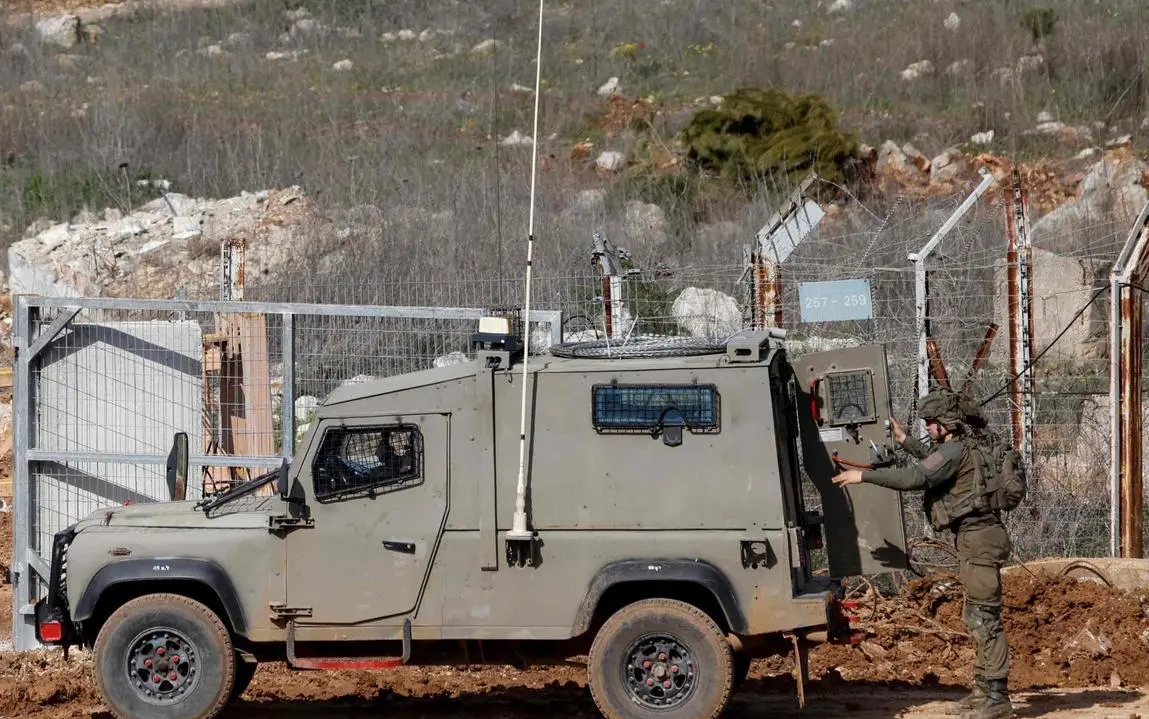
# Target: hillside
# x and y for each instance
(410, 104)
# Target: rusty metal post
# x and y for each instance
(937, 367)
(980, 358)
(1125, 313)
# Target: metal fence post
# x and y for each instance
(23, 504)
(922, 290)
(287, 407)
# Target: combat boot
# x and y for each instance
(996, 704)
(971, 701)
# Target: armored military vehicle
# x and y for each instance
(646, 511)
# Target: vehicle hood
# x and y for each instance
(247, 512)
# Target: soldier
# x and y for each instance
(947, 474)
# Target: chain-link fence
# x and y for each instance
(1067, 512)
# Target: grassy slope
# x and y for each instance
(416, 123)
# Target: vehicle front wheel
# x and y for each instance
(660, 658)
(165, 656)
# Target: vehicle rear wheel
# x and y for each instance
(660, 658)
(165, 656)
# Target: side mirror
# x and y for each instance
(177, 468)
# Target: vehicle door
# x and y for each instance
(844, 404)
(377, 491)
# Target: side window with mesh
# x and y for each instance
(645, 407)
(359, 460)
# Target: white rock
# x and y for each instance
(343, 66)
(304, 406)
(610, 87)
(1121, 141)
(841, 6)
(152, 246)
(487, 46)
(211, 51)
(611, 161)
(134, 254)
(959, 68)
(453, 358)
(1030, 63)
(58, 30)
(238, 40)
(952, 22)
(703, 312)
(388, 37)
(982, 138)
(406, 34)
(891, 158)
(1087, 153)
(797, 24)
(305, 26)
(516, 138)
(185, 228)
(917, 70)
(1045, 116)
(946, 166)
(516, 87)
(297, 14)
(426, 35)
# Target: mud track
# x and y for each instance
(1080, 649)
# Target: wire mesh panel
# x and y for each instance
(107, 384)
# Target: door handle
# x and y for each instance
(404, 547)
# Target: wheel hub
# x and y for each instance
(162, 665)
(659, 672)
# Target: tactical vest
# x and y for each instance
(956, 499)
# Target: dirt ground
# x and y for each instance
(1079, 649)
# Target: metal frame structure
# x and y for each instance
(26, 562)
(1126, 283)
(921, 286)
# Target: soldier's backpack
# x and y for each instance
(1000, 476)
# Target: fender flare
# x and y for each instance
(635, 571)
(164, 569)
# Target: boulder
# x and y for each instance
(706, 313)
(1112, 194)
(62, 30)
(167, 244)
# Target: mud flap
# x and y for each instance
(842, 411)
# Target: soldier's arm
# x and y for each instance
(938, 467)
(915, 447)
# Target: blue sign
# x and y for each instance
(835, 301)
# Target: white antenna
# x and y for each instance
(519, 529)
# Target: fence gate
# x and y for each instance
(101, 386)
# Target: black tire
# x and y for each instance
(141, 645)
(244, 673)
(660, 658)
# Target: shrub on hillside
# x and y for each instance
(766, 135)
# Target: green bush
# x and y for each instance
(766, 135)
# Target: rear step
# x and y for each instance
(348, 663)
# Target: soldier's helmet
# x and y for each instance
(951, 408)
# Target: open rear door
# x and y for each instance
(843, 409)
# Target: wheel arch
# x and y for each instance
(695, 582)
(197, 579)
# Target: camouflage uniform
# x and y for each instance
(946, 474)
